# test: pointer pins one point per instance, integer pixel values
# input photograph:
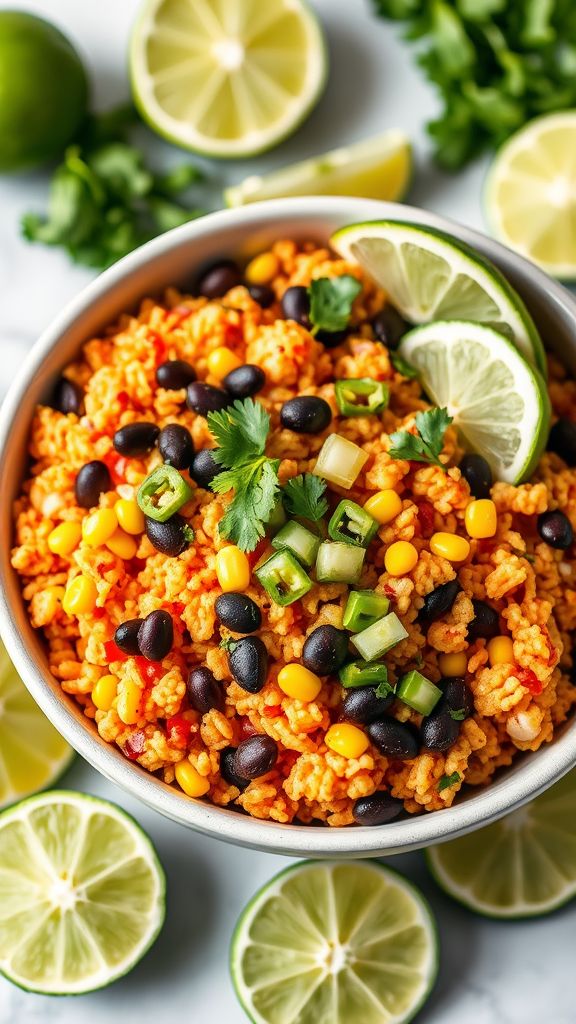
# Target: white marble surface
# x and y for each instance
(491, 973)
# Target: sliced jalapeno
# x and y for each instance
(162, 493)
(352, 525)
(361, 396)
(283, 578)
(362, 673)
(363, 609)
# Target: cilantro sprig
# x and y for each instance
(426, 445)
(303, 496)
(331, 300)
(241, 432)
(447, 781)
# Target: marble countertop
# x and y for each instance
(512, 973)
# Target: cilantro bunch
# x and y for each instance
(427, 443)
(496, 63)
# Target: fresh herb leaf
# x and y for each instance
(426, 445)
(384, 688)
(255, 489)
(524, 554)
(331, 300)
(178, 179)
(401, 366)
(419, 660)
(449, 780)
(303, 496)
(240, 432)
(457, 716)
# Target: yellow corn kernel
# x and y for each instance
(347, 740)
(453, 665)
(449, 546)
(190, 780)
(122, 545)
(384, 506)
(99, 526)
(501, 650)
(299, 682)
(400, 558)
(232, 569)
(130, 517)
(128, 706)
(222, 361)
(262, 269)
(80, 596)
(481, 518)
(64, 538)
(104, 692)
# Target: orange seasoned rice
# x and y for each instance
(518, 706)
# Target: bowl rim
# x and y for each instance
(534, 775)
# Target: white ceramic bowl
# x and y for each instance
(173, 258)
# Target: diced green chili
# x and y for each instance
(363, 608)
(361, 396)
(162, 493)
(380, 637)
(301, 542)
(352, 525)
(364, 673)
(339, 563)
(418, 692)
(283, 578)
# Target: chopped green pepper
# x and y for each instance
(351, 524)
(300, 541)
(363, 608)
(162, 493)
(362, 673)
(380, 637)
(339, 563)
(361, 396)
(283, 578)
(418, 692)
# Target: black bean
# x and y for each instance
(68, 396)
(439, 731)
(438, 602)
(218, 279)
(562, 440)
(227, 768)
(156, 635)
(93, 480)
(393, 738)
(456, 696)
(175, 374)
(377, 809)
(262, 294)
(331, 339)
(389, 326)
(169, 538)
(238, 612)
(477, 474)
(486, 621)
(203, 398)
(296, 305)
(245, 381)
(248, 661)
(136, 439)
(203, 468)
(204, 692)
(255, 756)
(126, 636)
(555, 529)
(362, 705)
(306, 414)
(176, 446)
(325, 650)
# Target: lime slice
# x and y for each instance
(33, 754)
(81, 893)
(498, 402)
(430, 276)
(521, 866)
(377, 168)
(334, 942)
(530, 193)
(227, 78)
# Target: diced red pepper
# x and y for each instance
(98, 613)
(113, 652)
(246, 728)
(390, 592)
(178, 729)
(552, 652)
(272, 710)
(151, 671)
(160, 347)
(117, 464)
(528, 679)
(176, 608)
(135, 745)
(426, 518)
(233, 334)
(123, 399)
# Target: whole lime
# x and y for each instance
(43, 91)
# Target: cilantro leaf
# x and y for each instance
(457, 716)
(426, 445)
(303, 496)
(449, 780)
(331, 300)
(384, 688)
(240, 432)
(255, 491)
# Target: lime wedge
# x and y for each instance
(334, 942)
(377, 168)
(228, 78)
(530, 196)
(521, 866)
(498, 402)
(33, 754)
(81, 893)
(430, 276)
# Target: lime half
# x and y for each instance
(531, 193)
(430, 276)
(334, 943)
(377, 168)
(81, 893)
(228, 78)
(498, 402)
(522, 866)
(33, 754)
